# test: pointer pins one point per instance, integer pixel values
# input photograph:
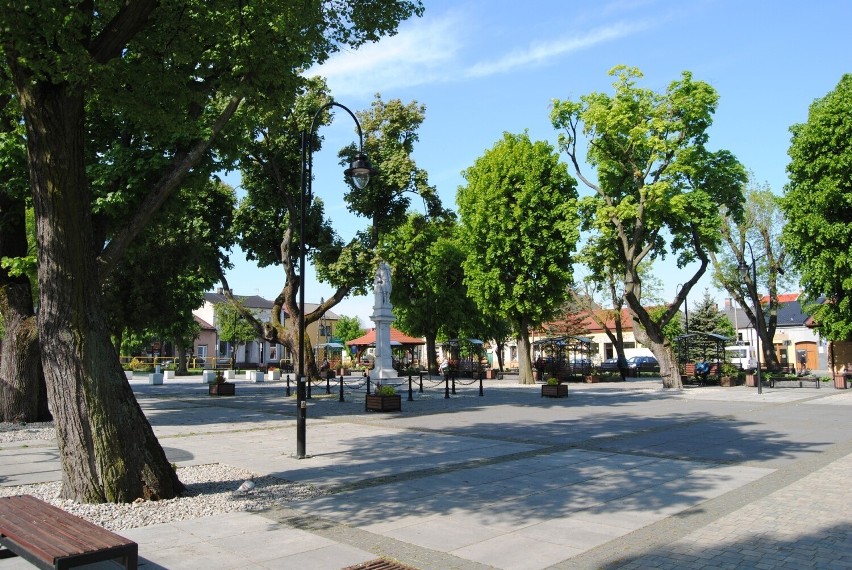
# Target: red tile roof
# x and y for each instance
(395, 336)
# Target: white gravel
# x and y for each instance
(12, 432)
(210, 490)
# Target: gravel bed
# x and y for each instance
(211, 490)
(11, 432)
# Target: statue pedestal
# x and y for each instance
(383, 317)
(384, 359)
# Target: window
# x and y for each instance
(201, 351)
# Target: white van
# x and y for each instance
(741, 356)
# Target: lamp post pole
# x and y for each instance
(359, 171)
(758, 310)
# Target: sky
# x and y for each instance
(485, 67)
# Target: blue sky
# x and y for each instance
(483, 67)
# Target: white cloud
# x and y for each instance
(433, 50)
(542, 52)
(422, 52)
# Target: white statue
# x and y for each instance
(382, 284)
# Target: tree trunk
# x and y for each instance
(501, 346)
(650, 333)
(23, 395)
(181, 359)
(525, 374)
(652, 336)
(107, 447)
(431, 353)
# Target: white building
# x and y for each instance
(258, 352)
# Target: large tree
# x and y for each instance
(818, 204)
(760, 227)
(519, 226)
(273, 196)
(173, 75)
(706, 318)
(174, 261)
(658, 191)
(23, 394)
(429, 296)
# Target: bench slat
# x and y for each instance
(60, 527)
(57, 537)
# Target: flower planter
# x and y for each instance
(554, 390)
(491, 373)
(751, 380)
(378, 403)
(222, 389)
(728, 381)
(343, 372)
(840, 381)
(592, 379)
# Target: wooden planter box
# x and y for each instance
(377, 403)
(592, 379)
(554, 390)
(728, 381)
(840, 381)
(491, 373)
(751, 380)
(343, 372)
(222, 389)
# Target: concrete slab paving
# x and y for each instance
(617, 475)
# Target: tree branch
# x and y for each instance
(117, 247)
(129, 21)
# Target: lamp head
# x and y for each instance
(360, 171)
(743, 268)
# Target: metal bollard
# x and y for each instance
(481, 393)
(327, 383)
(410, 391)
(368, 391)
(421, 382)
(288, 384)
(308, 382)
(454, 384)
(341, 389)
(446, 385)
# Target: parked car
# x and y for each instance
(639, 364)
(609, 365)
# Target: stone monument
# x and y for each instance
(383, 317)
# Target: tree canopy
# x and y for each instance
(123, 102)
(519, 229)
(818, 205)
(755, 237)
(429, 295)
(659, 189)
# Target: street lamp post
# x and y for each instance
(359, 171)
(758, 311)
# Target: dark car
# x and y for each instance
(639, 364)
(609, 365)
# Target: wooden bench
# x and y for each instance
(689, 375)
(48, 537)
(773, 380)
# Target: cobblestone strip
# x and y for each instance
(796, 517)
(382, 546)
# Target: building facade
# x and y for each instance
(257, 353)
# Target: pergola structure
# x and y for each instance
(564, 356)
(465, 355)
(695, 345)
(401, 343)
